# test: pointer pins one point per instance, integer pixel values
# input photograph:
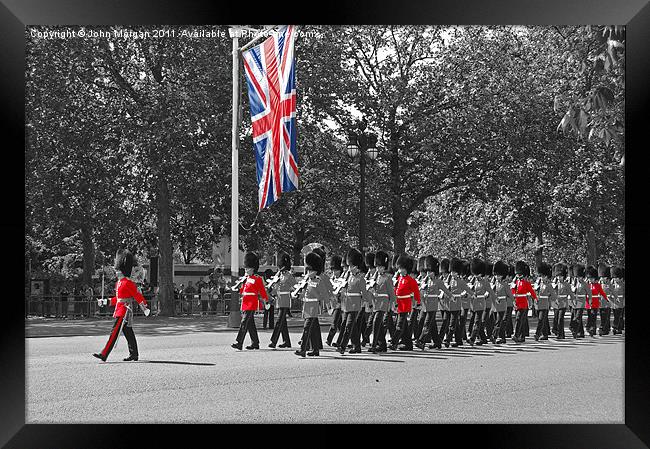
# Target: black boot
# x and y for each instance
(99, 356)
(131, 358)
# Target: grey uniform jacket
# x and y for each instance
(617, 296)
(282, 290)
(383, 293)
(545, 294)
(457, 286)
(606, 303)
(562, 293)
(580, 293)
(502, 297)
(354, 294)
(314, 296)
(480, 298)
(431, 299)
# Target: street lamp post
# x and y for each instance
(365, 146)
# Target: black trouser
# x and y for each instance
(605, 325)
(521, 317)
(554, 329)
(416, 322)
(401, 329)
(376, 323)
(362, 319)
(389, 324)
(310, 332)
(281, 328)
(576, 326)
(115, 333)
(450, 327)
(349, 331)
(509, 328)
(499, 328)
(268, 317)
(618, 320)
(369, 329)
(592, 316)
(542, 323)
(558, 322)
(429, 329)
(478, 330)
(463, 322)
(335, 326)
(488, 322)
(421, 336)
(527, 326)
(248, 325)
(622, 320)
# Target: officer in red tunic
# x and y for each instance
(596, 294)
(251, 291)
(314, 295)
(407, 289)
(521, 290)
(282, 291)
(125, 293)
(351, 299)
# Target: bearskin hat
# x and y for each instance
(414, 265)
(124, 261)
(456, 265)
(313, 262)
(500, 268)
(431, 264)
(252, 261)
(592, 272)
(544, 269)
(284, 260)
(559, 269)
(488, 268)
(381, 259)
(320, 252)
(578, 270)
(370, 260)
(520, 267)
(477, 267)
(335, 263)
(617, 272)
(355, 258)
(444, 266)
(603, 270)
(421, 263)
(404, 261)
(466, 268)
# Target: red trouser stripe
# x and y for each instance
(114, 334)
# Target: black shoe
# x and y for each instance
(393, 347)
(560, 337)
(313, 354)
(480, 343)
(419, 345)
(372, 349)
(341, 350)
(543, 338)
(300, 353)
(284, 345)
(536, 337)
(405, 348)
(355, 350)
(446, 344)
(236, 346)
(131, 358)
(272, 345)
(471, 342)
(328, 342)
(382, 349)
(300, 343)
(501, 341)
(455, 345)
(335, 345)
(99, 356)
(349, 346)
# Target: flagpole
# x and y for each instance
(234, 317)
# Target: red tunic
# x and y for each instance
(125, 288)
(250, 290)
(406, 286)
(522, 287)
(596, 292)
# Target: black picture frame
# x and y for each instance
(635, 433)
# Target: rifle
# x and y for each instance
(342, 282)
(422, 282)
(370, 283)
(239, 283)
(299, 287)
(274, 280)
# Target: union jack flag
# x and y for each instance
(271, 75)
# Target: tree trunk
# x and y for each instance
(298, 243)
(166, 261)
(592, 248)
(88, 255)
(539, 249)
(399, 216)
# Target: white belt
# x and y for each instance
(249, 294)
(501, 297)
(353, 294)
(520, 295)
(543, 296)
(284, 293)
(310, 300)
(457, 296)
(562, 296)
(404, 297)
(383, 295)
(621, 296)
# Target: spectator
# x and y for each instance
(214, 295)
(205, 297)
(189, 294)
(64, 302)
(177, 298)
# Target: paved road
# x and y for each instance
(197, 378)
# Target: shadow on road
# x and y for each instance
(175, 362)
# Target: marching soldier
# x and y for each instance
(252, 288)
(365, 314)
(383, 298)
(314, 295)
(351, 299)
(481, 293)
(560, 299)
(489, 324)
(596, 293)
(605, 304)
(126, 292)
(501, 300)
(281, 289)
(459, 290)
(545, 295)
(531, 301)
(407, 288)
(618, 299)
(581, 296)
(510, 307)
(464, 302)
(443, 304)
(417, 315)
(335, 300)
(434, 292)
(521, 290)
(326, 285)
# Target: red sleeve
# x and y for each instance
(416, 289)
(135, 293)
(601, 292)
(261, 290)
(114, 300)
